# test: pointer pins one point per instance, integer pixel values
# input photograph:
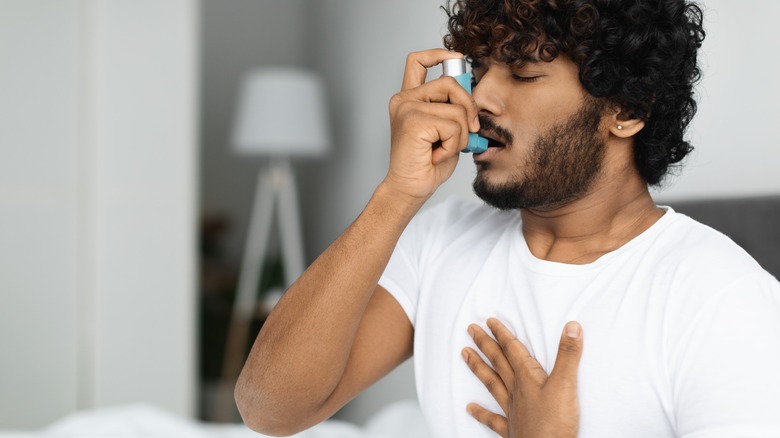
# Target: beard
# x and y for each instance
(562, 165)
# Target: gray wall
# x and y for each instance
(237, 35)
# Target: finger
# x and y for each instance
(515, 350)
(453, 139)
(495, 354)
(520, 359)
(492, 381)
(497, 423)
(444, 89)
(429, 123)
(569, 354)
(446, 163)
(452, 131)
(418, 63)
(449, 135)
(459, 135)
(447, 90)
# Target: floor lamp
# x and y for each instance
(281, 115)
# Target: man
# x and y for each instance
(585, 104)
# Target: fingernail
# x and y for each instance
(573, 330)
(475, 123)
(471, 331)
(465, 355)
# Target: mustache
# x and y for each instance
(487, 123)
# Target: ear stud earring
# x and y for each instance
(620, 127)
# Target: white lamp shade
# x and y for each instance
(281, 112)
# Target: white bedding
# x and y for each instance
(401, 419)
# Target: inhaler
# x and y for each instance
(456, 67)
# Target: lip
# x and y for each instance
(491, 150)
(488, 154)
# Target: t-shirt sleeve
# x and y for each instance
(726, 378)
(424, 235)
(401, 277)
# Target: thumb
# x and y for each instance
(569, 353)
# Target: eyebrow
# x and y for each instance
(522, 61)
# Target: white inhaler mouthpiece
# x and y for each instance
(456, 67)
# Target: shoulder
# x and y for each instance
(703, 269)
(456, 214)
(690, 247)
(458, 227)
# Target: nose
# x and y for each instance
(487, 95)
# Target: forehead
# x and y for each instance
(561, 61)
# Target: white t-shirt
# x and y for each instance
(681, 326)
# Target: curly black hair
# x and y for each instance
(641, 55)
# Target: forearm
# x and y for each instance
(296, 369)
(301, 352)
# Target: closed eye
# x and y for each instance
(525, 78)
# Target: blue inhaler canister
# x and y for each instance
(456, 67)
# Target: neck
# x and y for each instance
(616, 210)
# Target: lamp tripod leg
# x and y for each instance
(290, 226)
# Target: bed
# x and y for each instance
(399, 419)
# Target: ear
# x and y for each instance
(622, 125)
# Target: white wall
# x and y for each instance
(40, 209)
(144, 120)
(97, 206)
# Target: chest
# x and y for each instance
(622, 377)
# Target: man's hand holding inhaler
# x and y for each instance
(423, 114)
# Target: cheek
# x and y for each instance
(542, 106)
(529, 119)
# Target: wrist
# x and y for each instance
(397, 202)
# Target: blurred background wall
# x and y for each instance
(114, 127)
(360, 48)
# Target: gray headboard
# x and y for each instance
(753, 223)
